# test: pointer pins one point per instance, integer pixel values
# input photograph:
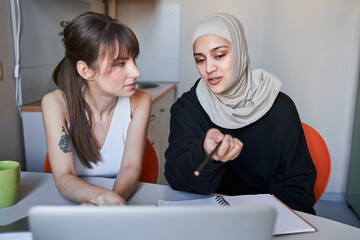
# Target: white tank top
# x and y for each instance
(112, 151)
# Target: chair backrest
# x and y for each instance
(150, 167)
(47, 167)
(321, 158)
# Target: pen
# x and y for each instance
(207, 159)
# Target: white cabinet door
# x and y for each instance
(35, 141)
(159, 129)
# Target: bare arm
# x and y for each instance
(130, 170)
(62, 158)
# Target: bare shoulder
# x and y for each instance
(140, 101)
(53, 97)
(54, 102)
(141, 98)
(141, 95)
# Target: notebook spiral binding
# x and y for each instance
(221, 201)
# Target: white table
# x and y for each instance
(39, 189)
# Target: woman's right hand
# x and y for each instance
(229, 149)
(110, 198)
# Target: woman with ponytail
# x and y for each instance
(96, 122)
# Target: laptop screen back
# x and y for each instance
(151, 222)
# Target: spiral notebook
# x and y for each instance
(287, 221)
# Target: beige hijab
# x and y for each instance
(250, 93)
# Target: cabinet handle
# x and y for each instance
(152, 117)
(162, 109)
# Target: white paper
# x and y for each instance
(287, 221)
(16, 236)
(195, 202)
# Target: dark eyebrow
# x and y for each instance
(216, 48)
(121, 58)
(212, 50)
(116, 60)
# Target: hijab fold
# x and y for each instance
(250, 93)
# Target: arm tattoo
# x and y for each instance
(65, 142)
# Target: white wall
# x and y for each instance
(312, 45)
(158, 32)
(40, 45)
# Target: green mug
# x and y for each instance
(9, 182)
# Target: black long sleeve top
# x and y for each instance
(274, 159)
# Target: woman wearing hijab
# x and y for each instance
(263, 147)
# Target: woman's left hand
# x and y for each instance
(110, 198)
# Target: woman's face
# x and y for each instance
(117, 76)
(213, 58)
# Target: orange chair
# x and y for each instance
(47, 167)
(150, 167)
(321, 158)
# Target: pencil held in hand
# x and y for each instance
(207, 159)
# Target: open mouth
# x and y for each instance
(214, 81)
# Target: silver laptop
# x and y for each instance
(151, 222)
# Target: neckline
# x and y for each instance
(111, 123)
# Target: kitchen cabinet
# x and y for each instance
(162, 96)
(159, 127)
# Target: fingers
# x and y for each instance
(226, 144)
(229, 149)
(213, 136)
(234, 150)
